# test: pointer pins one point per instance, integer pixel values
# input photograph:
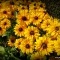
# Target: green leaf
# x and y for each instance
(21, 54)
(28, 57)
(2, 50)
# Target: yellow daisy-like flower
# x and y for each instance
(41, 6)
(27, 46)
(36, 17)
(36, 7)
(36, 56)
(6, 23)
(2, 30)
(23, 9)
(54, 37)
(24, 17)
(12, 4)
(46, 24)
(11, 41)
(33, 7)
(19, 29)
(54, 29)
(31, 32)
(44, 45)
(37, 10)
(3, 4)
(18, 42)
(5, 12)
(47, 16)
(57, 47)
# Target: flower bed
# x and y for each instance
(28, 32)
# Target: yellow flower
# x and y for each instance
(7, 7)
(54, 29)
(46, 16)
(11, 41)
(42, 5)
(23, 17)
(2, 30)
(33, 7)
(12, 4)
(5, 12)
(27, 46)
(36, 56)
(18, 42)
(31, 32)
(19, 29)
(54, 37)
(46, 24)
(36, 17)
(57, 47)
(44, 46)
(22, 9)
(36, 11)
(4, 4)
(36, 7)
(53, 40)
(6, 23)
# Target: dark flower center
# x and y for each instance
(12, 3)
(36, 17)
(5, 23)
(35, 4)
(24, 18)
(41, 5)
(57, 28)
(12, 39)
(5, 12)
(31, 32)
(44, 45)
(27, 46)
(20, 29)
(48, 24)
(23, 8)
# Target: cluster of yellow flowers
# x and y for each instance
(38, 32)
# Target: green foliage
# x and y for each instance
(2, 50)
